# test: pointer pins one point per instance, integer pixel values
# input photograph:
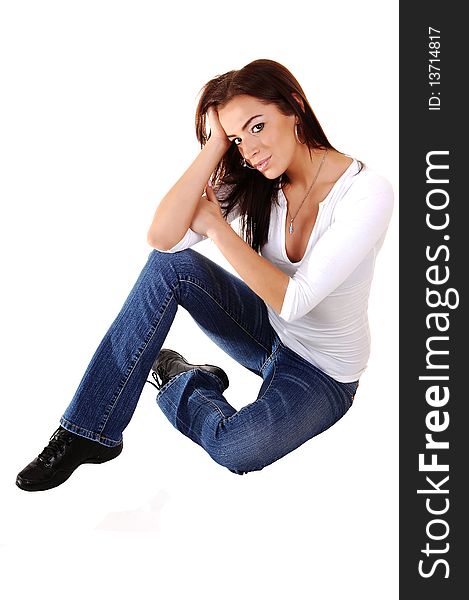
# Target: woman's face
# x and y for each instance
(265, 137)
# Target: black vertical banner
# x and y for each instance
(434, 350)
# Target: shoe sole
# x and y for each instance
(220, 372)
(28, 486)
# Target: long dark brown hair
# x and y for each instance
(252, 193)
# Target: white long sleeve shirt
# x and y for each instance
(324, 313)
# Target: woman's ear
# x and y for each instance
(299, 99)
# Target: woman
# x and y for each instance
(312, 221)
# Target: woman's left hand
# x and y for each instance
(207, 215)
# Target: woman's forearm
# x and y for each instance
(264, 278)
(174, 212)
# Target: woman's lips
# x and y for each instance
(262, 166)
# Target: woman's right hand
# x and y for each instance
(216, 130)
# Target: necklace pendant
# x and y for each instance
(290, 229)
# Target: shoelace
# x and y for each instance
(158, 379)
(56, 445)
(160, 376)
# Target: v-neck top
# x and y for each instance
(282, 217)
(324, 311)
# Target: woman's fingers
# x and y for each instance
(209, 190)
(216, 129)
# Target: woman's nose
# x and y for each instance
(250, 151)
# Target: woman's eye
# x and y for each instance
(238, 141)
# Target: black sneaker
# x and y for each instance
(169, 363)
(64, 453)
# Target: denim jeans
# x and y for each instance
(296, 400)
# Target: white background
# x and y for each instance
(97, 123)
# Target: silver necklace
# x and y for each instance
(290, 229)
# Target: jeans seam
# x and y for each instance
(137, 356)
(164, 387)
(173, 379)
(77, 428)
(197, 284)
(272, 379)
(211, 403)
(260, 399)
(271, 357)
(178, 419)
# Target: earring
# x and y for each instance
(245, 164)
(296, 134)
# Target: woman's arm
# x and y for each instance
(266, 280)
(357, 229)
(354, 236)
(174, 213)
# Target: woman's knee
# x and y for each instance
(240, 467)
(181, 262)
(242, 457)
(185, 255)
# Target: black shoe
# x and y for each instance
(64, 453)
(169, 363)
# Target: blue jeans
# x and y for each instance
(296, 401)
